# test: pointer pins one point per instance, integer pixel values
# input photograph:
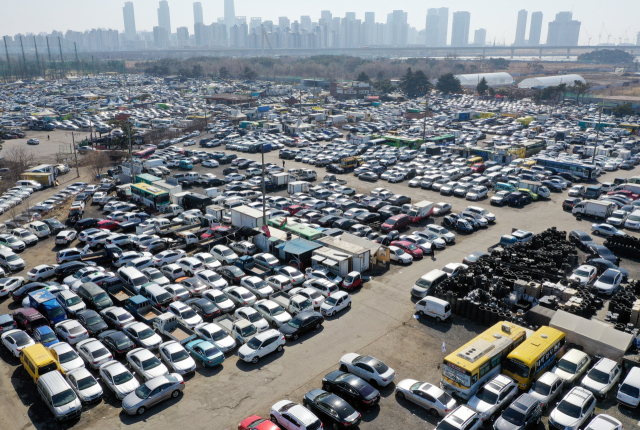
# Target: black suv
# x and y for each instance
(522, 413)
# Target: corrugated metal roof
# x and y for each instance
(299, 246)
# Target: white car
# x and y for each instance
(66, 356)
(129, 256)
(334, 304)
(584, 274)
(266, 260)
(493, 396)
(155, 276)
(118, 379)
(214, 333)
(609, 282)
(477, 193)
(70, 301)
(190, 265)
(208, 260)
(224, 254)
(234, 177)
(71, 331)
(290, 415)
(25, 235)
(253, 316)
(93, 352)
(441, 208)
(84, 384)
(16, 340)
(117, 317)
(398, 255)
(257, 286)
(177, 358)
(41, 272)
(573, 410)
(240, 296)
(602, 377)
(168, 257)
(142, 335)
(435, 400)
(220, 299)
(604, 422)
(547, 388)
(211, 279)
(65, 237)
(312, 294)
(368, 368)
(185, 313)
(260, 345)
(441, 232)
(178, 292)
(146, 364)
(577, 191)
(295, 276)
(210, 163)
(7, 285)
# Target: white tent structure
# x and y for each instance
(550, 81)
(594, 336)
(498, 79)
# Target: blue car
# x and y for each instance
(205, 352)
(45, 336)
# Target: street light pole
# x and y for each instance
(593, 159)
(73, 140)
(264, 189)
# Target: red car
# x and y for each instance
(396, 222)
(108, 224)
(254, 422)
(626, 193)
(352, 281)
(478, 168)
(217, 231)
(409, 248)
(293, 209)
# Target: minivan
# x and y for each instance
(37, 360)
(158, 296)
(94, 296)
(427, 283)
(59, 397)
(434, 307)
(132, 278)
(26, 183)
(629, 391)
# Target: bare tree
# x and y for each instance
(96, 161)
(17, 160)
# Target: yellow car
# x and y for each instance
(533, 195)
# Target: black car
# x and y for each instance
(116, 342)
(602, 265)
(581, 239)
(522, 413)
(328, 220)
(227, 158)
(92, 321)
(231, 274)
(108, 187)
(213, 182)
(229, 170)
(570, 202)
(377, 205)
(335, 168)
(331, 408)
(67, 269)
(552, 186)
(450, 220)
(601, 251)
(204, 307)
(388, 211)
(86, 223)
(344, 223)
(399, 200)
(367, 218)
(351, 388)
(19, 294)
(569, 176)
(83, 197)
(54, 225)
(302, 323)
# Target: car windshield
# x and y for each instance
(179, 356)
(87, 382)
(94, 320)
(487, 396)
(630, 390)
(567, 366)
(73, 301)
(331, 301)
(599, 376)
(513, 416)
(23, 339)
(445, 425)
(189, 313)
(68, 356)
(150, 363)
(542, 388)
(143, 391)
(295, 323)
(254, 343)
(516, 368)
(13, 257)
(606, 279)
(47, 337)
(218, 335)
(570, 409)
(61, 399)
(582, 273)
(146, 333)
(227, 252)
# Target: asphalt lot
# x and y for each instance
(380, 323)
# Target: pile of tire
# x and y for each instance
(624, 246)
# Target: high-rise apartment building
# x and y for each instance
(305, 22)
(521, 28)
(535, 28)
(229, 14)
(283, 23)
(443, 25)
(432, 27)
(164, 17)
(129, 20)
(564, 31)
(460, 28)
(480, 37)
(197, 13)
(160, 37)
(183, 36)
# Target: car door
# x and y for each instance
(289, 422)
(268, 346)
(426, 400)
(364, 371)
(136, 364)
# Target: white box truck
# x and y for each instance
(244, 216)
(420, 211)
(594, 209)
(298, 187)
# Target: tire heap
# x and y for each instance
(624, 246)
(481, 294)
(620, 307)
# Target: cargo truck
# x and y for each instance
(594, 209)
(45, 303)
(239, 329)
(420, 211)
(142, 309)
(298, 187)
(169, 325)
(279, 180)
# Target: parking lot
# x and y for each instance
(380, 323)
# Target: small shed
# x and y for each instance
(297, 252)
(359, 257)
(335, 261)
(269, 244)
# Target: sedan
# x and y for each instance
(15, 341)
(213, 333)
(93, 352)
(426, 395)
(118, 379)
(577, 191)
(211, 279)
(152, 392)
(441, 208)
(585, 274)
(71, 331)
(266, 261)
(606, 230)
(331, 408)
(368, 368)
(204, 307)
(8, 285)
(302, 323)
(66, 356)
(116, 317)
(351, 388)
(177, 358)
(205, 352)
(85, 385)
(294, 275)
(142, 335)
(240, 296)
(145, 364)
(116, 342)
(255, 422)
(609, 282)
(257, 286)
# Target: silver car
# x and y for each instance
(547, 388)
(153, 392)
(118, 379)
(493, 397)
(428, 396)
(146, 364)
(85, 385)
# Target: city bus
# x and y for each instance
(526, 363)
(467, 369)
(144, 153)
(150, 196)
(583, 171)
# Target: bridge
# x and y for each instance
(370, 51)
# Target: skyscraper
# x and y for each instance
(480, 37)
(521, 28)
(164, 18)
(197, 13)
(564, 31)
(283, 23)
(460, 29)
(229, 14)
(183, 36)
(535, 28)
(432, 27)
(443, 25)
(129, 20)
(305, 22)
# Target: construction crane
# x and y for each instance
(589, 37)
(264, 36)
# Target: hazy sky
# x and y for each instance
(620, 17)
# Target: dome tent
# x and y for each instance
(493, 79)
(542, 82)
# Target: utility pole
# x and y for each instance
(75, 47)
(35, 45)
(61, 59)
(6, 50)
(593, 159)
(75, 153)
(50, 59)
(24, 59)
(264, 188)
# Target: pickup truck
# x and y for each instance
(239, 329)
(248, 266)
(505, 240)
(292, 304)
(169, 325)
(172, 211)
(109, 254)
(142, 309)
(119, 294)
(333, 178)
(152, 225)
(186, 238)
(133, 221)
(45, 303)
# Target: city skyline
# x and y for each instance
(500, 23)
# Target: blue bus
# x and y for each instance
(587, 172)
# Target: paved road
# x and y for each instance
(380, 323)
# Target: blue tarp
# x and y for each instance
(298, 246)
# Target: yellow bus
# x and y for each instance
(473, 160)
(469, 367)
(527, 164)
(535, 356)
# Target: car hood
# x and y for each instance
(156, 371)
(479, 405)
(581, 279)
(348, 358)
(593, 385)
(91, 391)
(562, 419)
(246, 351)
(282, 318)
(502, 424)
(602, 285)
(287, 329)
(405, 384)
(132, 401)
(185, 365)
(562, 374)
(73, 364)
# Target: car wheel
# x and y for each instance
(401, 395)
(420, 313)
(438, 319)
(434, 412)
(274, 420)
(175, 393)
(141, 410)
(280, 348)
(255, 359)
(317, 326)
(295, 336)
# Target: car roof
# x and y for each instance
(605, 365)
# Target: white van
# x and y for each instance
(32, 184)
(629, 391)
(434, 307)
(213, 192)
(132, 278)
(39, 228)
(59, 397)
